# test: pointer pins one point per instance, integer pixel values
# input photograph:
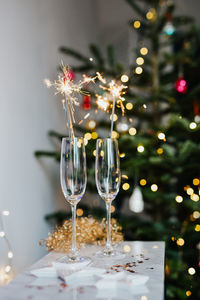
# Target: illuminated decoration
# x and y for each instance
(79, 212)
(194, 197)
(181, 85)
(94, 152)
(151, 14)
(140, 61)
(94, 135)
(154, 187)
(138, 70)
(196, 214)
(160, 151)
(88, 136)
(197, 227)
(196, 181)
(161, 136)
(124, 78)
(91, 59)
(91, 124)
(188, 293)
(124, 176)
(190, 191)
(122, 126)
(180, 242)
(132, 131)
(122, 155)
(140, 148)
(143, 182)
(137, 24)
(191, 271)
(144, 51)
(6, 254)
(115, 117)
(65, 86)
(126, 186)
(85, 142)
(136, 203)
(129, 106)
(179, 199)
(115, 134)
(112, 209)
(193, 125)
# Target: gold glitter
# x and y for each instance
(89, 231)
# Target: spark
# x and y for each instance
(65, 86)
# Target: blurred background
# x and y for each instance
(32, 32)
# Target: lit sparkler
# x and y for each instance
(65, 86)
(116, 90)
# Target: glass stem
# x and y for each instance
(108, 241)
(74, 249)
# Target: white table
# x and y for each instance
(149, 260)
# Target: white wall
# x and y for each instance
(31, 32)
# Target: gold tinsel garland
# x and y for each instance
(88, 231)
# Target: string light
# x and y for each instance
(160, 151)
(88, 136)
(91, 59)
(191, 271)
(94, 152)
(194, 197)
(126, 186)
(193, 125)
(138, 70)
(115, 134)
(161, 135)
(122, 155)
(180, 242)
(144, 51)
(2, 234)
(137, 24)
(129, 106)
(79, 212)
(94, 135)
(196, 214)
(190, 191)
(115, 117)
(151, 14)
(91, 124)
(154, 187)
(179, 199)
(140, 148)
(85, 142)
(188, 293)
(124, 78)
(197, 228)
(143, 182)
(140, 61)
(196, 181)
(132, 131)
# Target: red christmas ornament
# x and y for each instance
(70, 75)
(86, 102)
(181, 85)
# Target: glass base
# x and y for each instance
(82, 260)
(110, 253)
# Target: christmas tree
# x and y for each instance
(158, 137)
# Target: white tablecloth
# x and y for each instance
(147, 259)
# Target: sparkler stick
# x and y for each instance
(65, 86)
(116, 91)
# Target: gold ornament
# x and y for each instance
(88, 231)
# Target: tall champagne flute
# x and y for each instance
(73, 179)
(108, 179)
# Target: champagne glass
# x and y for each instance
(73, 179)
(108, 178)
